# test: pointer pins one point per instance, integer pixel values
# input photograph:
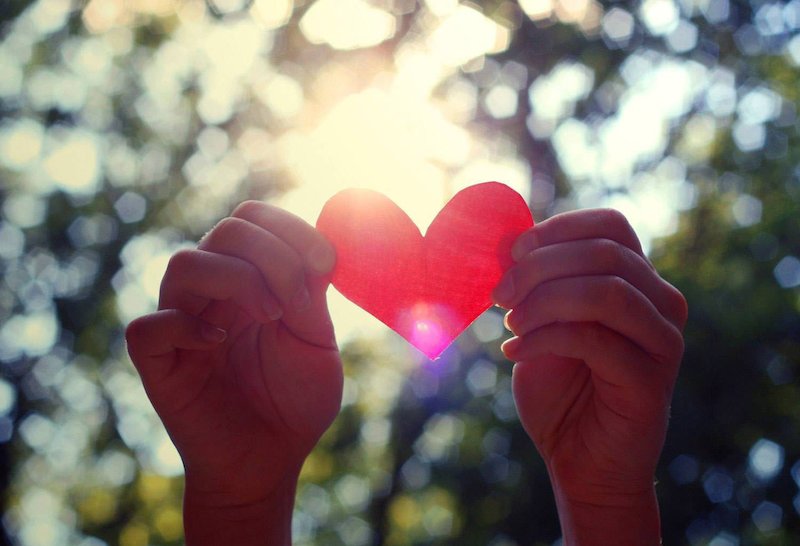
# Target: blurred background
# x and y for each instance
(129, 127)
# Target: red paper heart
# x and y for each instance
(427, 289)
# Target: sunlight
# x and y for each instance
(369, 140)
(272, 13)
(74, 164)
(373, 140)
(346, 24)
(396, 141)
(466, 34)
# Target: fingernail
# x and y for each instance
(301, 299)
(504, 292)
(322, 257)
(510, 345)
(505, 321)
(213, 334)
(273, 310)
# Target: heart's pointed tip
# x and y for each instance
(432, 352)
(429, 352)
(432, 356)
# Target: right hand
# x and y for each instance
(240, 361)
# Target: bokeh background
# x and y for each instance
(129, 127)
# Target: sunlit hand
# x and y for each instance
(241, 365)
(598, 350)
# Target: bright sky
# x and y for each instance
(402, 126)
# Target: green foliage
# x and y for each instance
(115, 151)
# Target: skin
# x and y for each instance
(597, 349)
(241, 364)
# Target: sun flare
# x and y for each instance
(396, 136)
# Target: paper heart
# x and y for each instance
(427, 289)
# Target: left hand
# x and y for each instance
(246, 405)
(598, 349)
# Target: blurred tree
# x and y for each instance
(128, 128)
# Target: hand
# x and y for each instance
(241, 364)
(598, 349)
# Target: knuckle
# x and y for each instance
(526, 239)
(180, 261)
(617, 223)
(618, 293)
(247, 209)
(676, 307)
(292, 273)
(224, 228)
(610, 254)
(614, 218)
(252, 276)
(229, 223)
(131, 331)
(529, 261)
(134, 333)
(681, 305)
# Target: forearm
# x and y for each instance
(209, 522)
(630, 520)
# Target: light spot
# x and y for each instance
(346, 24)
(618, 25)
(747, 210)
(272, 13)
(683, 38)
(353, 492)
(282, 95)
(767, 516)
(724, 539)
(355, 531)
(537, 10)
(8, 397)
(466, 34)
(21, 144)
(718, 485)
(787, 272)
(49, 16)
(759, 106)
(24, 209)
(74, 164)
(130, 207)
(488, 327)
(37, 431)
(684, 469)
(765, 460)
(501, 101)
(749, 137)
(482, 377)
(660, 16)
(33, 334)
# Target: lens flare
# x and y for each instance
(426, 324)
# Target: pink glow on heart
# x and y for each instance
(424, 327)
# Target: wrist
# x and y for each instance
(213, 517)
(630, 516)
